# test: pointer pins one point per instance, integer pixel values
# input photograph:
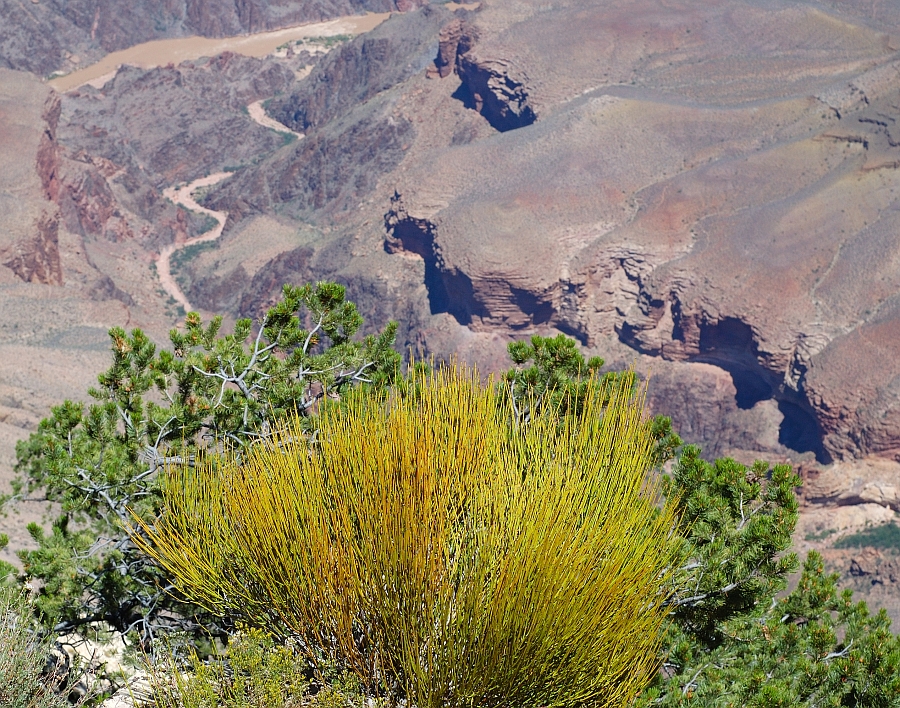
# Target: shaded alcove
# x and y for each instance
(729, 344)
(450, 292)
(729, 333)
(800, 431)
(750, 387)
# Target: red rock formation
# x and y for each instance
(48, 151)
(85, 198)
(36, 260)
(455, 39)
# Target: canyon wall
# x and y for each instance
(484, 175)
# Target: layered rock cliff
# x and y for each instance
(666, 214)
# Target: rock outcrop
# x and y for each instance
(654, 209)
(868, 481)
(331, 169)
(455, 39)
(36, 260)
(495, 89)
(29, 242)
(360, 70)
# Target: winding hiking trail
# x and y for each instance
(183, 196)
(159, 52)
(258, 113)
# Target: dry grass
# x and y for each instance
(26, 679)
(441, 554)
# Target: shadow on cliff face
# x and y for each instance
(502, 101)
(800, 431)
(730, 345)
(448, 291)
(451, 290)
(487, 86)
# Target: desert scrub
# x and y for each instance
(252, 672)
(441, 549)
(884, 536)
(183, 256)
(25, 681)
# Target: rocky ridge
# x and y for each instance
(619, 193)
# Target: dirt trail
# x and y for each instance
(258, 113)
(156, 53)
(184, 197)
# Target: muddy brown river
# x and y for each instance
(164, 51)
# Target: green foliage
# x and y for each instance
(254, 672)
(445, 555)
(821, 536)
(886, 536)
(7, 570)
(736, 523)
(184, 255)
(327, 42)
(154, 408)
(23, 658)
(814, 647)
(732, 642)
(552, 372)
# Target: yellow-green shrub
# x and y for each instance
(441, 553)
